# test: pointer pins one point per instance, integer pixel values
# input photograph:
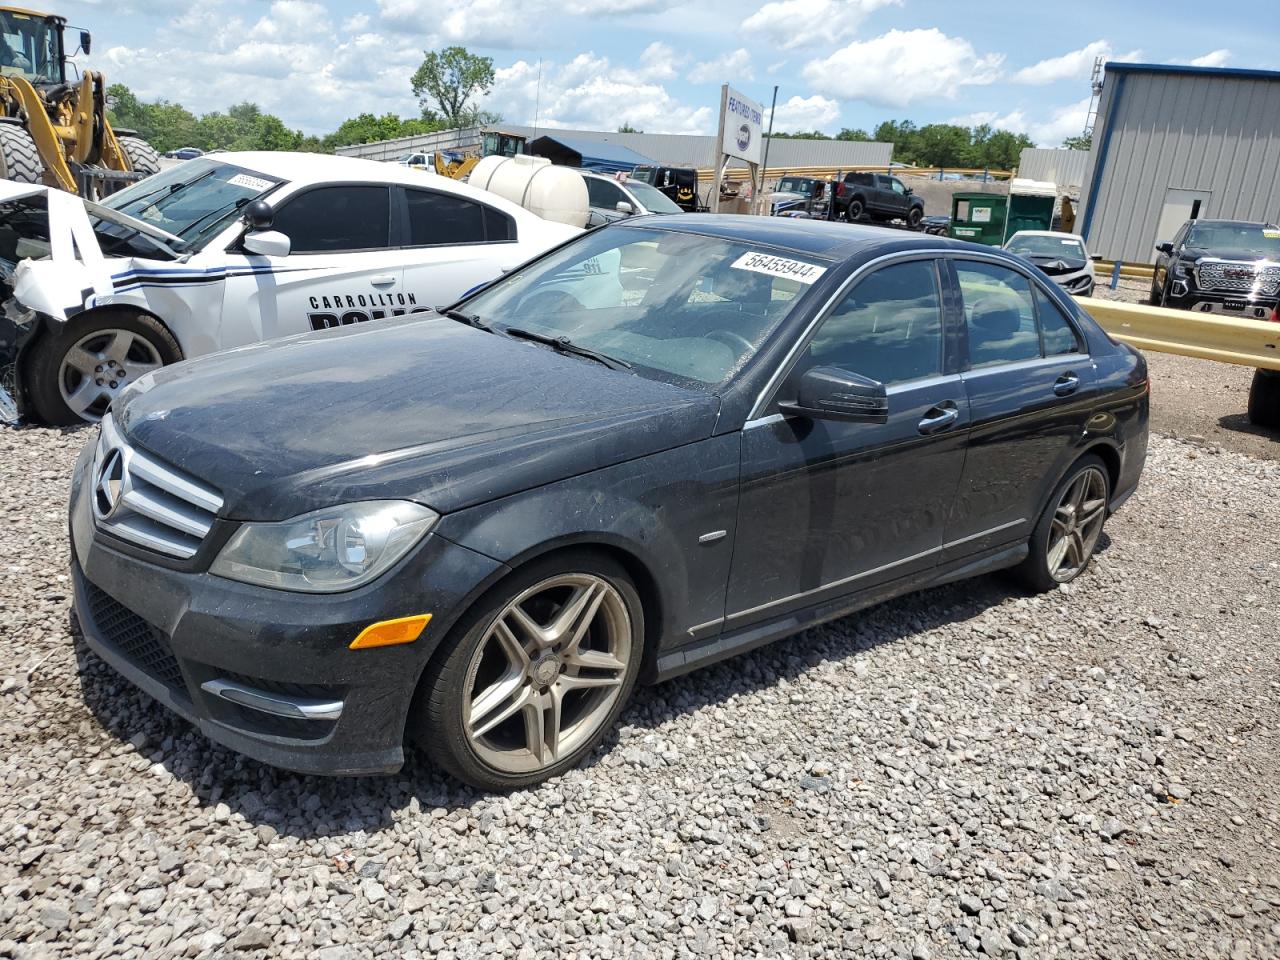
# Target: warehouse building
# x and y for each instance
(1172, 143)
(665, 149)
(1065, 168)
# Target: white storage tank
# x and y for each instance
(549, 191)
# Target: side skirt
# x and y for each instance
(703, 653)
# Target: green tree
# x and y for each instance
(801, 135)
(628, 128)
(1081, 142)
(858, 136)
(447, 82)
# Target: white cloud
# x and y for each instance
(1048, 131)
(503, 24)
(355, 23)
(804, 113)
(901, 67)
(594, 93)
(805, 23)
(733, 67)
(1214, 58)
(1075, 65)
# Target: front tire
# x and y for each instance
(914, 218)
(19, 159)
(1264, 399)
(535, 675)
(141, 155)
(1067, 533)
(73, 375)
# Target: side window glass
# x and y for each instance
(1059, 335)
(898, 188)
(888, 327)
(436, 219)
(999, 314)
(336, 219)
(498, 226)
(602, 193)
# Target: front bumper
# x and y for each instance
(313, 705)
(1252, 308)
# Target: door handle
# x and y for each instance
(939, 418)
(1066, 384)
(383, 279)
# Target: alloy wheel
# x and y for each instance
(1077, 524)
(547, 673)
(100, 365)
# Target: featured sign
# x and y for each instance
(743, 125)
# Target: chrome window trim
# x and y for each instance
(779, 373)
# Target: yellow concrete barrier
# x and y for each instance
(1250, 343)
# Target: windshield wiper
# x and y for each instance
(470, 319)
(564, 345)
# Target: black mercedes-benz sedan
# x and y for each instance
(665, 442)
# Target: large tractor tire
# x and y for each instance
(142, 156)
(1264, 399)
(19, 159)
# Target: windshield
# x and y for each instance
(677, 307)
(194, 200)
(795, 185)
(30, 46)
(1067, 247)
(646, 174)
(654, 200)
(1246, 238)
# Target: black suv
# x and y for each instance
(878, 197)
(1220, 266)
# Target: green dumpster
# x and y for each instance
(1030, 206)
(979, 217)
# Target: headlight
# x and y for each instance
(1178, 269)
(334, 549)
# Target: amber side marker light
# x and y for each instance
(388, 633)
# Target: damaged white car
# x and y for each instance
(226, 250)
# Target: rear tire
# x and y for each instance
(141, 155)
(51, 377)
(19, 159)
(1264, 399)
(853, 213)
(1068, 531)
(502, 708)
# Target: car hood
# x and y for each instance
(1056, 266)
(1195, 253)
(427, 409)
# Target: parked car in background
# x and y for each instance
(937, 224)
(476, 531)
(1062, 256)
(228, 249)
(1219, 266)
(680, 184)
(877, 197)
(418, 161)
(184, 153)
(613, 199)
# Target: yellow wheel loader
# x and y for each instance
(52, 130)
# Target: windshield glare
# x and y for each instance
(1066, 247)
(792, 185)
(1249, 238)
(29, 47)
(654, 200)
(194, 200)
(684, 309)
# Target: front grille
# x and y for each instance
(145, 646)
(139, 499)
(1235, 277)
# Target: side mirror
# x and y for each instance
(1096, 258)
(1165, 247)
(86, 42)
(623, 207)
(829, 393)
(268, 243)
(258, 215)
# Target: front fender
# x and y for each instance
(654, 509)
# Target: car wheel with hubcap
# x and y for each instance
(538, 675)
(1068, 531)
(73, 375)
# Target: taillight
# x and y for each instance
(840, 189)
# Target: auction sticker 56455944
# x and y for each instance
(773, 266)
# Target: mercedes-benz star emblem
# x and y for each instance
(110, 486)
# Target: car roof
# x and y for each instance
(1048, 233)
(823, 238)
(1205, 222)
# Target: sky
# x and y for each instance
(658, 64)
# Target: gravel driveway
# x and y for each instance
(1091, 773)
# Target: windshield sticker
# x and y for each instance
(796, 270)
(253, 183)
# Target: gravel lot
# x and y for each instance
(965, 771)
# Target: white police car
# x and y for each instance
(228, 249)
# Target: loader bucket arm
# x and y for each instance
(48, 143)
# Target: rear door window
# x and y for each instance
(439, 219)
(1000, 314)
(1056, 330)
